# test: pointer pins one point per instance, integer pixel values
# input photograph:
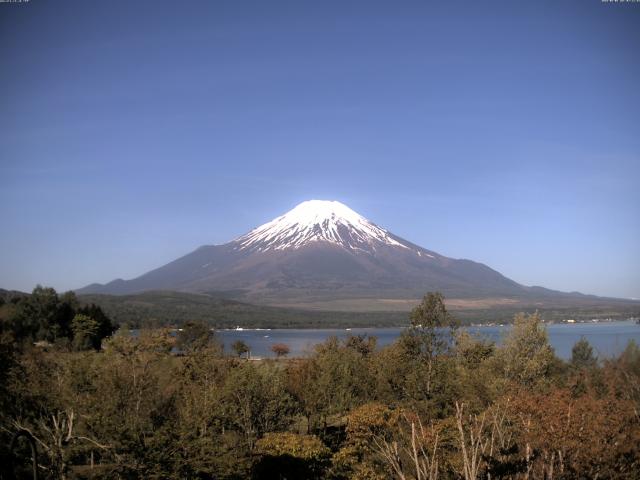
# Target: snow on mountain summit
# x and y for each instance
(317, 221)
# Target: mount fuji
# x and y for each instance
(322, 251)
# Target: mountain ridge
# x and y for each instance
(323, 250)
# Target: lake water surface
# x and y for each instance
(607, 338)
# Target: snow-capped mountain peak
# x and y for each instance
(317, 221)
(324, 251)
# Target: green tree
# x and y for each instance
(54, 392)
(106, 327)
(582, 355)
(256, 400)
(194, 337)
(473, 351)
(368, 427)
(240, 348)
(630, 357)
(42, 316)
(363, 344)
(133, 405)
(623, 374)
(426, 343)
(526, 356)
(330, 382)
(431, 313)
(290, 455)
(204, 444)
(45, 316)
(474, 378)
(85, 332)
(432, 328)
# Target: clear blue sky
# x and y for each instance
(504, 132)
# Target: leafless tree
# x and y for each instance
(422, 461)
(58, 432)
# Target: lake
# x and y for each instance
(607, 338)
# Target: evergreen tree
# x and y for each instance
(85, 332)
(582, 355)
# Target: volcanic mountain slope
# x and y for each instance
(322, 250)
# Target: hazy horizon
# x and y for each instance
(505, 133)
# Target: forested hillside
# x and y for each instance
(162, 309)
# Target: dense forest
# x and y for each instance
(80, 401)
(163, 308)
(160, 309)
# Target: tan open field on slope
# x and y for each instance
(396, 305)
